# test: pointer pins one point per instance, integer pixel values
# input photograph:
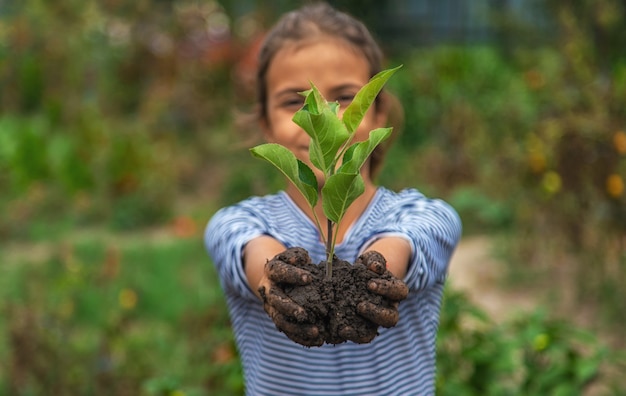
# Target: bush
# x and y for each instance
(534, 143)
(96, 169)
(529, 355)
(124, 318)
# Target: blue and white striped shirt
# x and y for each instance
(401, 360)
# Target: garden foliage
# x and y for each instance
(110, 111)
(533, 143)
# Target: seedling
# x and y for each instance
(331, 143)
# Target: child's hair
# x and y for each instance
(320, 19)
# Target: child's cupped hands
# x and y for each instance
(314, 326)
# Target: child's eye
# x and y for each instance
(345, 100)
(294, 103)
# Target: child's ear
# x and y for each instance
(381, 116)
(391, 111)
(382, 109)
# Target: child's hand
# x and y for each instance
(386, 285)
(289, 317)
(390, 287)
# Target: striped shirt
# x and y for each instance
(400, 360)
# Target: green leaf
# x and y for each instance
(354, 113)
(357, 154)
(334, 106)
(327, 132)
(314, 101)
(338, 193)
(296, 171)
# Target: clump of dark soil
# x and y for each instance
(331, 303)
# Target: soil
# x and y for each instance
(331, 303)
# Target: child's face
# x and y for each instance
(336, 69)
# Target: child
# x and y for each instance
(415, 234)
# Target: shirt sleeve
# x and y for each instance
(433, 229)
(226, 234)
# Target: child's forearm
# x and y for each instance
(397, 252)
(255, 254)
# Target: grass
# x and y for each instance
(98, 313)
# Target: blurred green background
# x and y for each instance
(118, 140)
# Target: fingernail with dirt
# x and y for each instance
(300, 315)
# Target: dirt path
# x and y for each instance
(14, 252)
(476, 272)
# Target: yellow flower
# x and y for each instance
(541, 342)
(551, 182)
(619, 141)
(536, 162)
(177, 393)
(615, 185)
(127, 298)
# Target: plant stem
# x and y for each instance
(330, 250)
